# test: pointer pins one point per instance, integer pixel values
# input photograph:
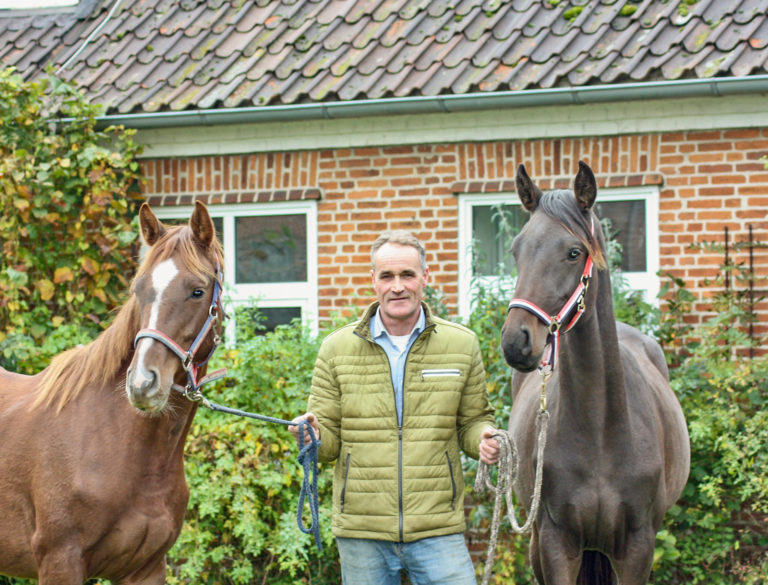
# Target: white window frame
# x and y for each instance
(302, 294)
(646, 281)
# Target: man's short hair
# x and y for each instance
(402, 238)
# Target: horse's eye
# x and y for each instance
(574, 253)
(197, 293)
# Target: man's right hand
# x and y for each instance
(312, 420)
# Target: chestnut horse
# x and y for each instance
(91, 481)
(617, 450)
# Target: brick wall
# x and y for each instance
(707, 180)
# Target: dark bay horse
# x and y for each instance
(91, 481)
(617, 451)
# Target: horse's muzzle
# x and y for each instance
(518, 348)
(143, 389)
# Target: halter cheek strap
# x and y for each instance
(187, 356)
(569, 314)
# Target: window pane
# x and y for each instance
(628, 228)
(493, 229)
(271, 248)
(260, 320)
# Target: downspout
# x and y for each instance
(687, 88)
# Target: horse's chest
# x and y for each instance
(143, 525)
(596, 501)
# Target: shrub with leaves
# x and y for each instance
(66, 201)
(717, 533)
(244, 475)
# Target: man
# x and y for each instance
(394, 397)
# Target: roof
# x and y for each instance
(138, 56)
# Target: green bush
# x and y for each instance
(717, 532)
(65, 209)
(244, 477)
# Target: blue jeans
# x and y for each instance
(439, 560)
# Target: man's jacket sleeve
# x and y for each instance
(324, 403)
(475, 410)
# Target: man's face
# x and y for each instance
(399, 284)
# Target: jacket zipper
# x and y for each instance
(453, 481)
(400, 437)
(400, 479)
(400, 514)
(346, 478)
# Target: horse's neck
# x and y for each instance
(161, 438)
(590, 368)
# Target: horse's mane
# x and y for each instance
(100, 361)
(561, 205)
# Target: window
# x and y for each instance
(488, 223)
(270, 258)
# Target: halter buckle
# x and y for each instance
(192, 394)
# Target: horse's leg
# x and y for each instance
(533, 555)
(560, 559)
(635, 566)
(62, 566)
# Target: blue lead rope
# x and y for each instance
(307, 459)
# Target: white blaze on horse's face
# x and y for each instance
(162, 276)
(144, 382)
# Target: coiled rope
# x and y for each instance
(508, 470)
(307, 459)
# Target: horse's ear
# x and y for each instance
(528, 192)
(202, 225)
(585, 187)
(151, 228)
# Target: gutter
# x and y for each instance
(687, 88)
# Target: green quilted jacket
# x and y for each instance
(399, 483)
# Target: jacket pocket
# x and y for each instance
(440, 373)
(346, 478)
(453, 481)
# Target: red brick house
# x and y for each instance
(309, 126)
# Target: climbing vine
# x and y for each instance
(67, 193)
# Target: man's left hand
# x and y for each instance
(489, 448)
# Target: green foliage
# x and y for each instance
(674, 332)
(719, 528)
(244, 477)
(64, 202)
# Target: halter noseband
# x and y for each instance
(570, 313)
(192, 389)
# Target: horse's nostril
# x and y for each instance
(150, 381)
(525, 341)
(143, 382)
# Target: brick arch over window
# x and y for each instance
(222, 179)
(621, 159)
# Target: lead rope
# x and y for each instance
(508, 469)
(307, 459)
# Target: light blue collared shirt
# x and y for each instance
(396, 357)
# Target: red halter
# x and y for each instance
(569, 314)
(191, 390)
